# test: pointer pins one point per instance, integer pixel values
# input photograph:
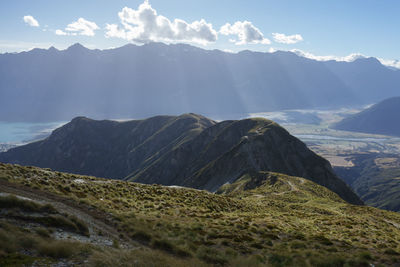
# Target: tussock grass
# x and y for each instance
(21, 209)
(12, 202)
(273, 220)
(14, 239)
(139, 258)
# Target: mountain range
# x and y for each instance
(188, 150)
(381, 118)
(141, 81)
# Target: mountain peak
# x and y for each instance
(52, 49)
(155, 45)
(80, 118)
(77, 47)
(369, 60)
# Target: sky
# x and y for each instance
(319, 29)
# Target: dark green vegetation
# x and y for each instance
(188, 150)
(375, 177)
(45, 215)
(264, 218)
(29, 226)
(43, 250)
(382, 118)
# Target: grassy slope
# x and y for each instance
(284, 221)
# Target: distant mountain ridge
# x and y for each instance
(143, 81)
(382, 118)
(188, 150)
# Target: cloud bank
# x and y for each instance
(145, 25)
(246, 33)
(349, 58)
(31, 21)
(287, 39)
(79, 27)
(394, 63)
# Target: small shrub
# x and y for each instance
(58, 249)
(323, 240)
(212, 256)
(329, 261)
(298, 245)
(7, 242)
(391, 251)
(365, 255)
(141, 236)
(82, 227)
(115, 243)
(162, 245)
(43, 232)
(27, 241)
(280, 260)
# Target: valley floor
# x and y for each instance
(369, 163)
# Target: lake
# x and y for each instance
(22, 132)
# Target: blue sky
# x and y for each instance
(318, 27)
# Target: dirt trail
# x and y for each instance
(292, 188)
(96, 220)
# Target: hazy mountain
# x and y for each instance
(382, 118)
(188, 150)
(139, 81)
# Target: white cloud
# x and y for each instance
(349, 58)
(246, 33)
(144, 25)
(287, 39)
(79, 27)
(394, 63)
(60, 32)
(31, 21)
(82, 27)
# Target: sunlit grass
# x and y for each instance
(278, 219)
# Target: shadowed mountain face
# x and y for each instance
(188, 150)
(141, 81)
(382, 118)
(108, 148)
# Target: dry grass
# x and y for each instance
(288, 221)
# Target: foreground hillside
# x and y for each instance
(382, 118)
(188, 150)
(262, 219)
